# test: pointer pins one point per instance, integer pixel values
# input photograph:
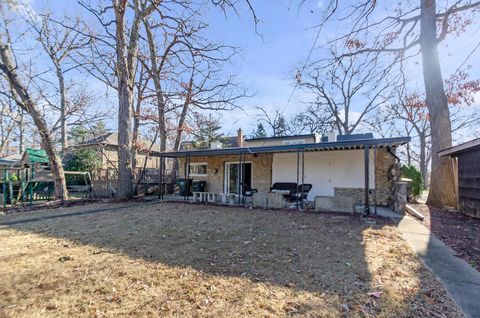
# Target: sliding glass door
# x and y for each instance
(232, 176)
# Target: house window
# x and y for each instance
(198, 169)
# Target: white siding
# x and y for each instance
(325, 170)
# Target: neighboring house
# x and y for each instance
(10, 160)
(336, 166)
(227, 142)
(107, 147)
(466, 170)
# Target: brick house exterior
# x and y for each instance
(268, 168)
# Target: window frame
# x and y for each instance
(194, 164)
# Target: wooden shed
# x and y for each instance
(466, 165)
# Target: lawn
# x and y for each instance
(184, 260)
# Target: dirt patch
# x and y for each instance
(184, 260)
(455, 229)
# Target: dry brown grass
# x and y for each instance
(182, 260)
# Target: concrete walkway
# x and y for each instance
(460, 280)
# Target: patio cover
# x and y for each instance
(300, 149)
(321, 146)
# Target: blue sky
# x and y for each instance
(269, 58)
(268, 61)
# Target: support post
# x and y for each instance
(375, 181)
(298, 178)
(188, 177)
(5, 173)
(160, 179)
(32, 176)
(243, 178)
(367, 181)
(240, 177)
(186, 167)
(303, 175)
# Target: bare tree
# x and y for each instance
(59, 43)
(275, 121)
(311, 121)
(22, 97)
(121, 36)
(114, 54)
(9, 118)
(413, 111)
(347, 91)
(401, 31)
(181, 58)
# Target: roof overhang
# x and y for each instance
(453, 151)
(9, 162)
(322, 146)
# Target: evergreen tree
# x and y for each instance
(282, 127)
(79, 134)
(208, 131)
(260, 132)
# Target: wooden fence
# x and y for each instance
(104, 181)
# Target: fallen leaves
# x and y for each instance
(65, 258)
(376, 294)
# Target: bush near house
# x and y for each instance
(413, 173)
(83, 160)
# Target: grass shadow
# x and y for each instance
(330, 256)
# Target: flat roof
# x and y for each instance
(321, 146)
(466, 146)
(281, 137)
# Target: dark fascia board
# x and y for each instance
(322, 146)
(281, 137)
(466, 146)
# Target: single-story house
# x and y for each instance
(107, 147)
(466, 170)
(335, 166)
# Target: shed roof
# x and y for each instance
(111, 139)
(455, 150)
(7, 162)
(35, 156)
(322, 146)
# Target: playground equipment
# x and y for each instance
(30, 179)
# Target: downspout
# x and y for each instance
(389, 149)
(366, 153)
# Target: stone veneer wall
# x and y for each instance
(261, 174)
(384, 185)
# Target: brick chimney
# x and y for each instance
(240, 137)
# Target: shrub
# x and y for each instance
(83, 160)
(413, 173)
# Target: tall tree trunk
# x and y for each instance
(409, 155)
(423, 159)
(8, 67)
(155, 73)
(125, 178)
(442, 190)
(183, 114)
(136, 128)
(63, 107)
(21, 133)
(180, 127)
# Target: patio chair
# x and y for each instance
(247, 191)
(300, 193)
(283, 186)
